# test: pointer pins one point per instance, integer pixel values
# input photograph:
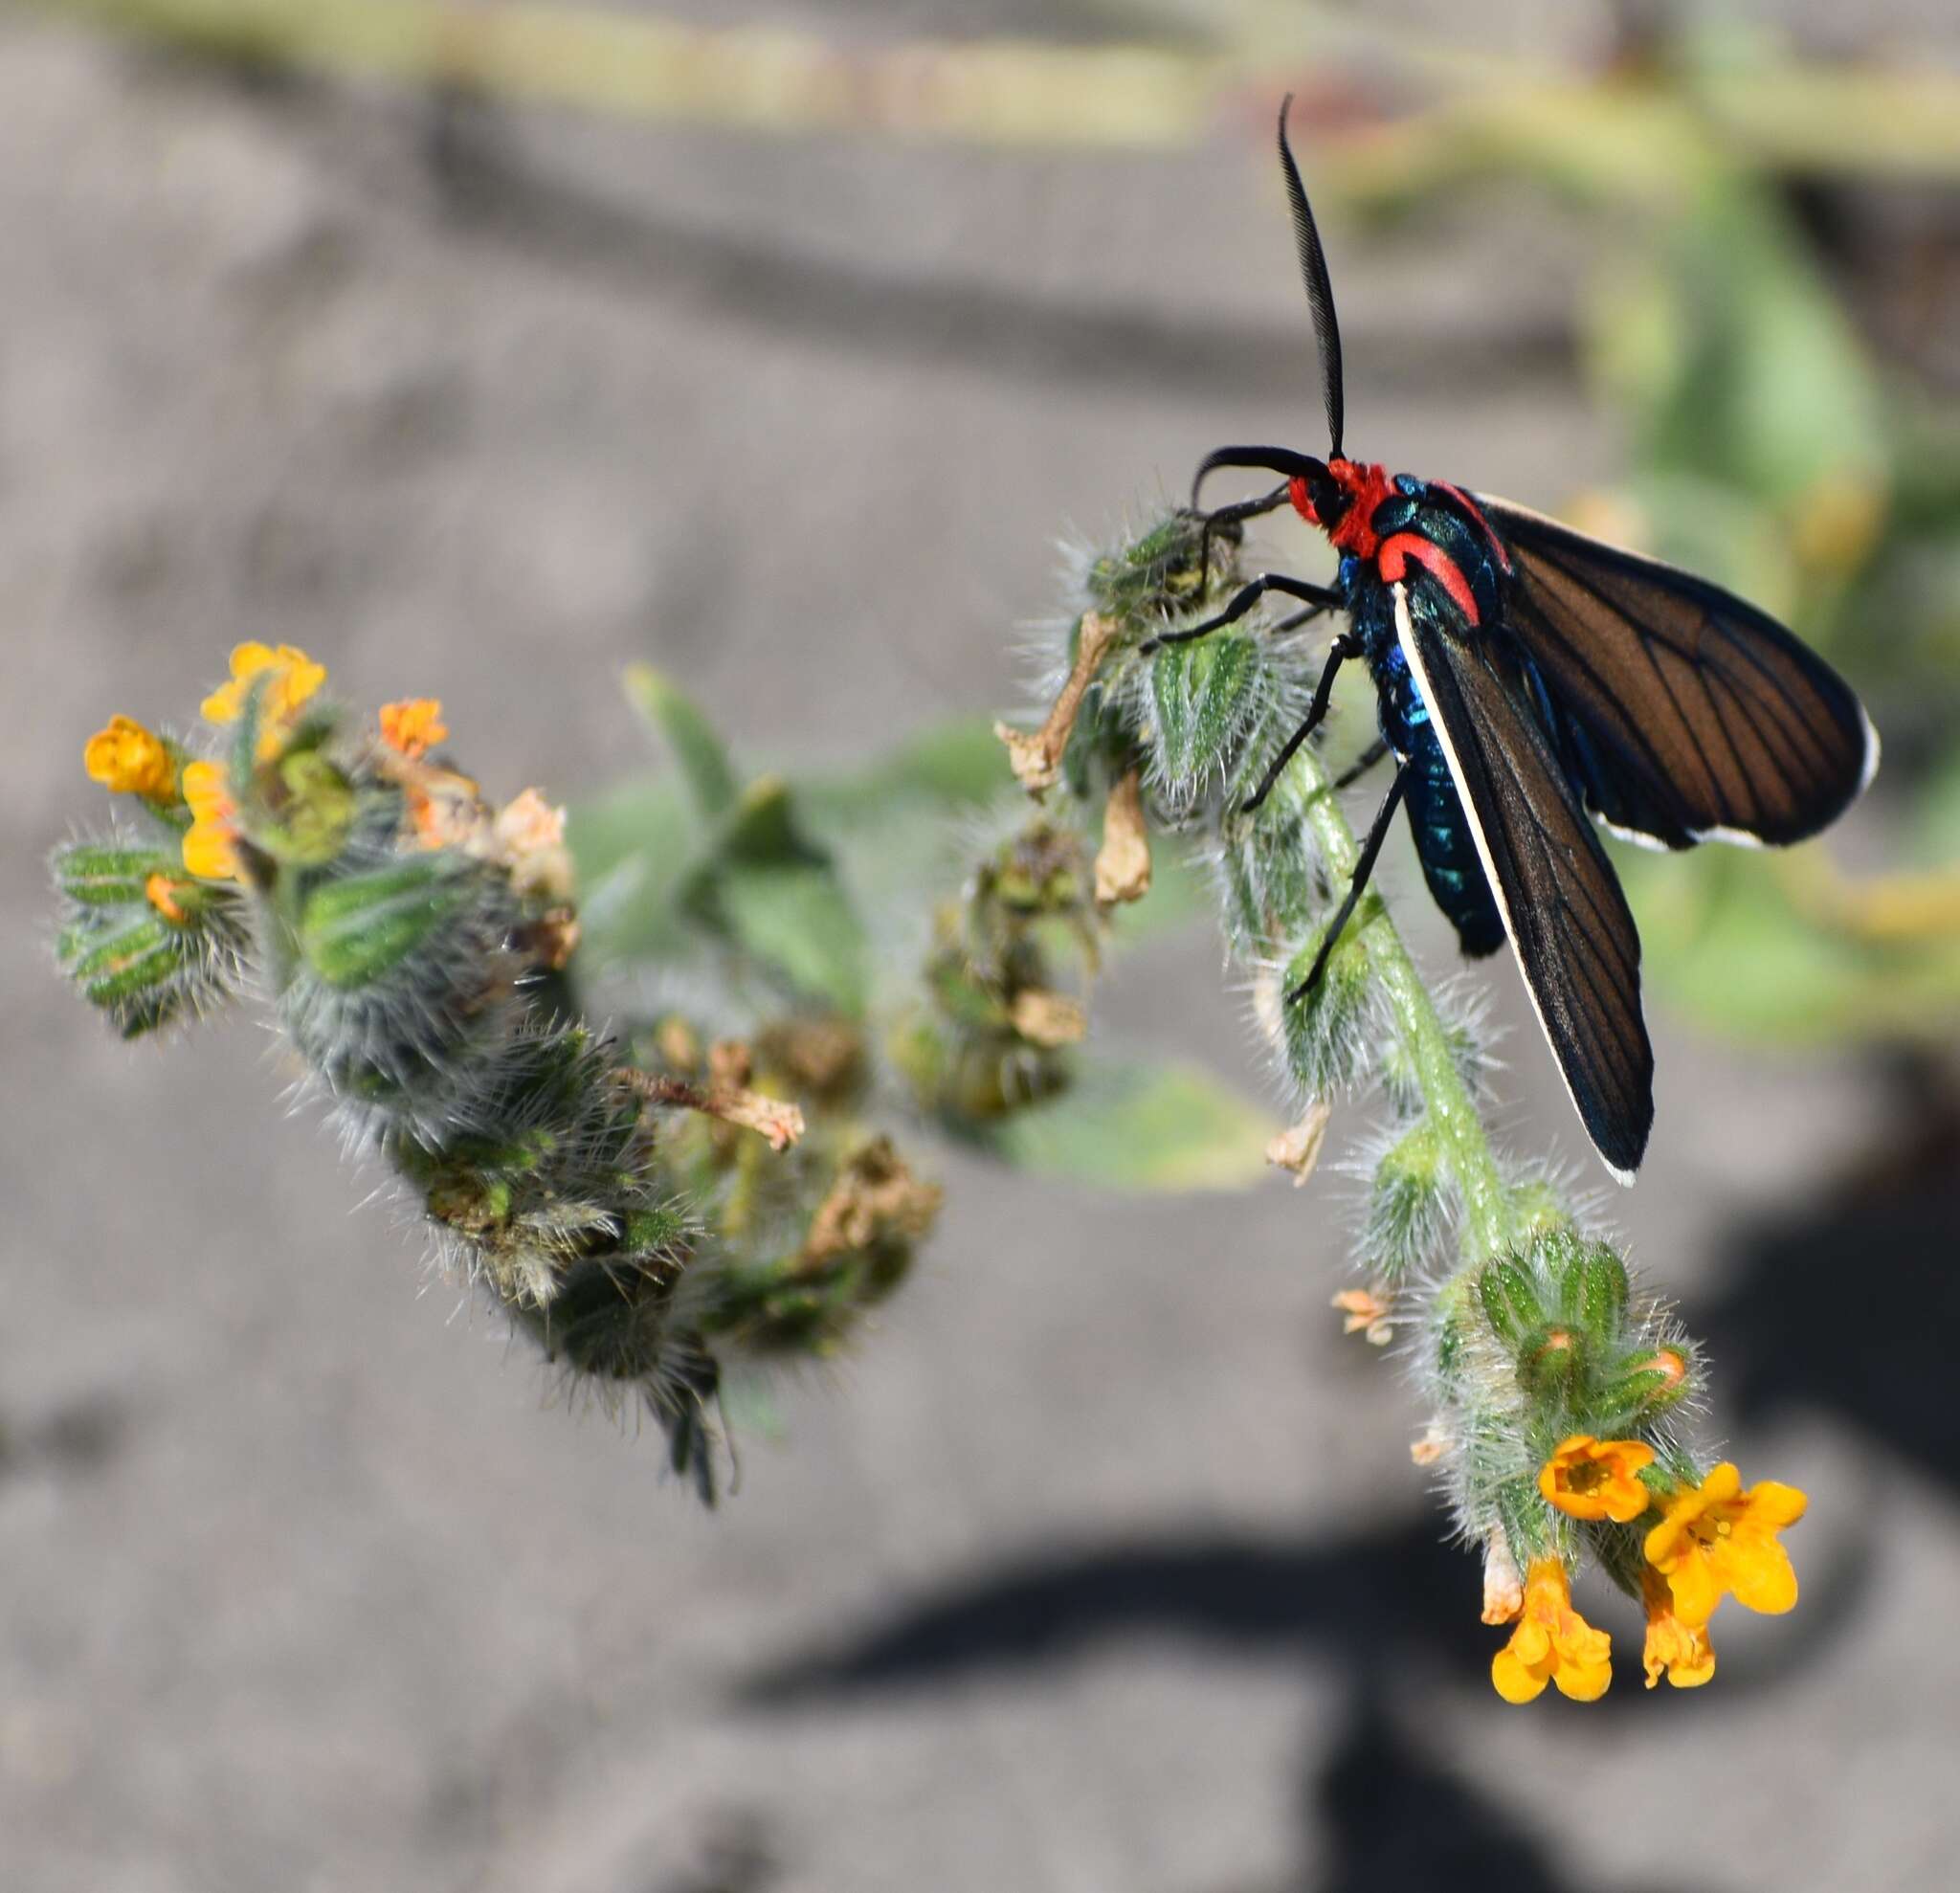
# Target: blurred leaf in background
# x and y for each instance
(817, 881)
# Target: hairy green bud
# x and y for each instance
(107, 874)
(357, 930)
(1509, 1294)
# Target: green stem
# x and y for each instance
(1487, 1219)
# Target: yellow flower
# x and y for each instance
(294, 677)
(1552, 1643)
(1720, 1539)
(130, 760)
(1597, 1479)
(1682, 1649)
(413, 726)
(208, 849)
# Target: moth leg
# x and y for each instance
(1344, 647)
(1235, 515)
(1321, 596)
(1377, 834)
(1360, 765)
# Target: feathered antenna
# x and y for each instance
(1320, 292)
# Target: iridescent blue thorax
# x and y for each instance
(1437, 549)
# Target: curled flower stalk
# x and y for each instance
(1556, 1390)
(652, 1205)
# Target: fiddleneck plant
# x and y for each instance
(651, 1207)
(709, 1188)
(1556, 1390)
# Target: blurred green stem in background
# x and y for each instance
(1613, 133)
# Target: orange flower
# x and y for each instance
(160, 891)
(291, 678)
(132, 761)
(1682, 1649)
(1719, 1540)
(1669, 1364)
(208, 849)
(1552, 1643)
(413, 726)
(529, 837)
(446, 809)
(1368, 1313)
(1597, 1479)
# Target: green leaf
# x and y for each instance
(634, 848)
(1718, 532)
(1936, 821)
(764, 828)
(958, 763)
(765, 884)
(894, 825)
(799, 920)
(1736, 360)
(1724, 946)
(702, 756)
(1163, 1127)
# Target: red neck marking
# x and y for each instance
(1365, 488)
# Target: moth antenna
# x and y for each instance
(1320, 292)
(1281, 460)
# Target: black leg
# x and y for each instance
(1343, 647)
(1363, 868)
(1321, 597)
(1360, 765)
(1237, 515)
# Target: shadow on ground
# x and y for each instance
(1845, 1302)
(1850, 1300)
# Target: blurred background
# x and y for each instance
(483, 351)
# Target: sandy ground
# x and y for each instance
(1102, 1567)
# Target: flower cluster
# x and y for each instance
(1706, 1541)
(648, 1207)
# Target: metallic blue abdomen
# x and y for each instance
(1441, 832)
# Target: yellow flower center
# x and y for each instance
(1597, 1479)
(1719, 1541)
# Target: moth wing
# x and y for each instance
(1561, 901)
(1710, 720)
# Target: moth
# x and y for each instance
(1530, 683)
